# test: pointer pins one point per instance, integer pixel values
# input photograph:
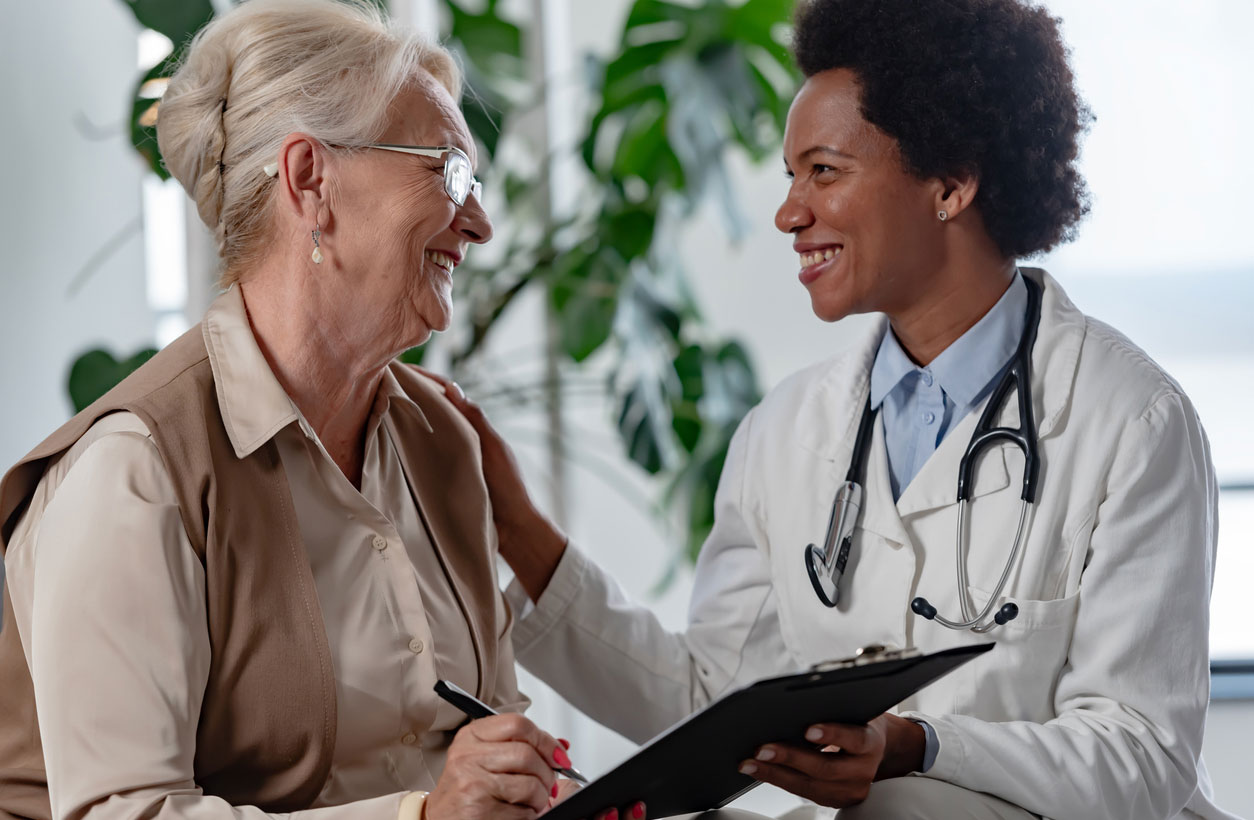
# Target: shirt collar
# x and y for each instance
(254, 405)
(966, 368)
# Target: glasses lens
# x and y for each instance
(457, 177)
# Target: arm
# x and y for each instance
(1131, 702)
(636, 677)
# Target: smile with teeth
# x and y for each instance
(821, 255)
(442, 259)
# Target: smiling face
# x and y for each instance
(398, 235)
(865, 229)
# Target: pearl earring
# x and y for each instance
(316, 256)
(942, 215)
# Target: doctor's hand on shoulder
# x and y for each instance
(530, 543)
(842, 762)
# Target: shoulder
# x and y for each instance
(438, 414)
(115, 460)
(1114, 372)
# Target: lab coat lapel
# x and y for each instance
(879, 512)
(936, 484)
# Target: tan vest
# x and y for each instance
(267, 725)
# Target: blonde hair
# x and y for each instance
(267, 68)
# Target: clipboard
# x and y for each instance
(692, 766)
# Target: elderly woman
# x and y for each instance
(235, 579)
(932, 146)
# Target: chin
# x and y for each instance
(828, 308)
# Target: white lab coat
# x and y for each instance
(1094, 701)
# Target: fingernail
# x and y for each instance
(565, 743)
(748, 767)
(613, 815)
(637, 811)
(814, 734)
(563, 759)
(766, 753)
(553, 790)
(461, 394)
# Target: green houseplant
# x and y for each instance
(687, 85)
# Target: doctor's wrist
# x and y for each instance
(533, 547)
(905, 743)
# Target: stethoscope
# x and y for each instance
(826, 566)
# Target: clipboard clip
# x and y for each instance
(871, 653)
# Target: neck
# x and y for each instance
(956, 297)
(320, 367)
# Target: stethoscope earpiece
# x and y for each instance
(1007, 613)
(923, 609)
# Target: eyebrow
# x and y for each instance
(824, 149)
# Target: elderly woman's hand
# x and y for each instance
(499, 768)
(529, 542)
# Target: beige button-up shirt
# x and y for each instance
(109, 599)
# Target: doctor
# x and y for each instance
(931, 147)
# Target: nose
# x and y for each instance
(793, 214)
(471, 221)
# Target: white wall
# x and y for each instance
(70, 184)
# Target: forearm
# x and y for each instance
(532, 546)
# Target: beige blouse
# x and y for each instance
(109, 600)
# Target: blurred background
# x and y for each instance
(638, 298)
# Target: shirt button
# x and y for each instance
(925, 376)
(409, 739)
(380, 543)
(929, 417)
(415, 646)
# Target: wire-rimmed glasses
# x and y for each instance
(459, 178)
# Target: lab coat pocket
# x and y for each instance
(1016, 681)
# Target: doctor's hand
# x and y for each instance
(839, 768)
(529, 542)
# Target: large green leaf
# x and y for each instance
(176, 19)
(96, 372)
(585, 297)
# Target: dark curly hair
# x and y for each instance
(981, 86)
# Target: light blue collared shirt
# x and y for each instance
(920, 405)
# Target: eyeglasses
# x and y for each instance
(459, 179)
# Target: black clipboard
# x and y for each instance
(693, 765)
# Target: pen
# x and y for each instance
(474, 709)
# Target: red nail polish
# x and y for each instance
(553, 791)
(613, 815)
(563, 760)
(637, 811)
(565, 743)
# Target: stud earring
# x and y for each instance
(316, 256)
(942, 215)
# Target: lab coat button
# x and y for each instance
(415, 646)
(409, 739)
(380, 543)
